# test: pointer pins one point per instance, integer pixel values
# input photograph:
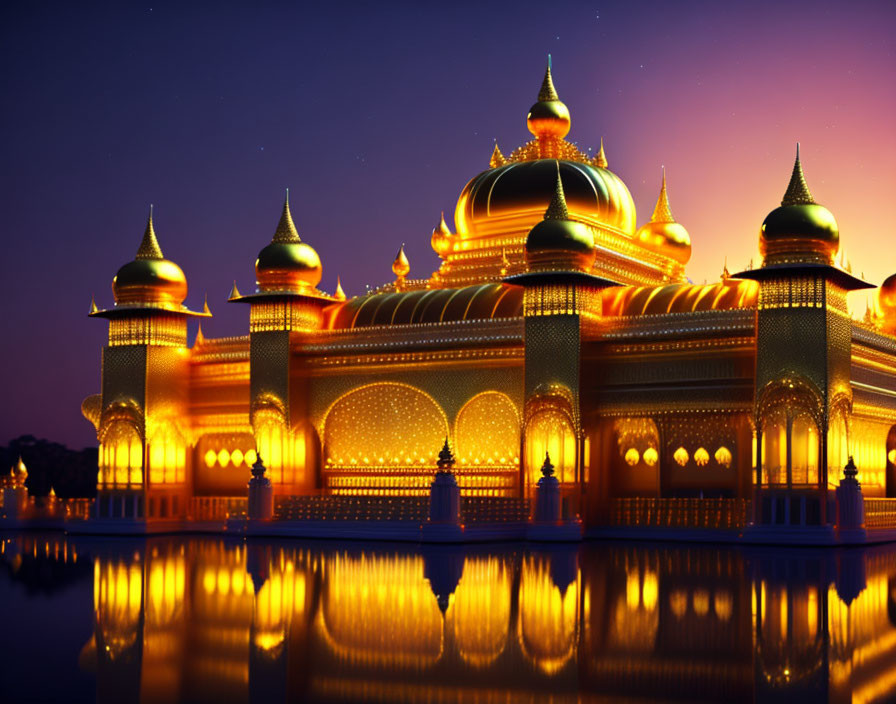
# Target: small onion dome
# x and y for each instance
(441, 238)
(150, 279)
(401, 267)
(558, 243)
(662, 234)
(287, 263)
(801, 230)
(886, 303)
(549, 117)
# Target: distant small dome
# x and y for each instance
(663, 234)
(150, 278)
(800, 230)
(287, 263)
(558, 243)
(401, 267)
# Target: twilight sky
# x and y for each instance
(375, 115)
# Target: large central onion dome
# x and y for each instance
(287, 263)
(150, 279)
(558, 243)
(800, 231)
(511, 196)
(663, 234)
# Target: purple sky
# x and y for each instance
(375, 115)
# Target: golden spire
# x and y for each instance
(149, 247)
(93, 308)
(797, 190)
(548, 92)
(497, 158)
(200, 338)
(601, 159)
(52, 494)
(234, 293)
(401, 266)
(286, 229)
(662, 212)
(557, 209)
(340, 294)
(725, 273)
(205, 308)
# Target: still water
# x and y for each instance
(212, 620)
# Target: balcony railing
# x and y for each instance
(725, 514)
(880, 513)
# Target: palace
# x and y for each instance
(553, 325)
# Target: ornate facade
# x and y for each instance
(554, 324)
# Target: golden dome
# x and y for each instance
(549, 116)
(558, 243)
(150, 279)
(441, 238)
(800, 230)
(662, 234)
(886, 304)
(287, 263)
(515, 196)
(401, 267)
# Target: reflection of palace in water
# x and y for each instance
(213, 620)
(554, 324)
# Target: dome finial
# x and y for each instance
(662, 212)
(497, 157)
(234, 293)
(93, 306)
(601, 159)
(286, 230)
(401, 266)
(205, 309)
(548, 92)
(200, 338)
(557, 210)
(797, 190)
(149, 246)
(340, 294)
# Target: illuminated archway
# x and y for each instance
(487, 431)
(121, 446)
(550, 430)
(789, 416)
(384, 425)
(167, 454)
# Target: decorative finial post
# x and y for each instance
(547, 494)
(444, 501)
(261, 493)
(401, 267)
(850, 505)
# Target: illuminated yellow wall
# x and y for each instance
(384, 425)
(487, 431)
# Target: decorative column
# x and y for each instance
(261, 493)
(547, 494)
(850, 506)
(444, 524)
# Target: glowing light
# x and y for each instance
(210, 458)
(723, 605)
(251, 457)
(223, 458)
(681, 456)
(701, 602)
(678, 602)
(891, 456)
(236, 457)
(650, 590)
(632, 457)
(550, 431)
(701, 457)
(723, 456)
(650, 457)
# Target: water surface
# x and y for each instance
(188, 619)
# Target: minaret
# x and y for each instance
(144, 465)
(803, 360)
(285, 310)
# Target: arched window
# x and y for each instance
(384, 425)
(790, 436)
(549, 430)
(121, 456)
(487, 431)
(167, 455)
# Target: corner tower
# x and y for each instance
(140, 413)
(285, 310)
(803, 397)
